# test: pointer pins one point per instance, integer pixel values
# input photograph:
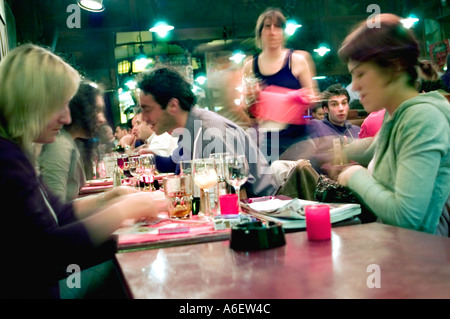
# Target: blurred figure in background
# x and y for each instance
(60, 163)
(446, 76)
(318, 113)
(120, 131)
(429, 79)
(282, 67)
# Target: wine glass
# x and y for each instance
(121, 159)
(205, 177)
(236, 172)
(135, 168)
(148, 169)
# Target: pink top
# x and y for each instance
(372, 124)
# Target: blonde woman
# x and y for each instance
(41, 235)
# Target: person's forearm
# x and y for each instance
(85, 206)
(101, 225)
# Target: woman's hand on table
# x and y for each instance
(347, 173)
(142, 205)
(119, 191)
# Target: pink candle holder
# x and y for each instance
(229, 204)
(318, 223)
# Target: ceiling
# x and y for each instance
(101, 39)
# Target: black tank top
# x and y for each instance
(283, 78)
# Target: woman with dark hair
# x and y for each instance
(60, 163)
(407, 180)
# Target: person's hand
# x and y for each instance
(333, 171)
(127, 140)
(347, 173)
(141, 205)
(119, 191)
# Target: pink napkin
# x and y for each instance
(283, 105)
(193, 230)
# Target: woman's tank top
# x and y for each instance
(283, 78)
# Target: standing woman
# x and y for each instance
(407, 181)
(41, 235)
(277, 65)
(60, 163)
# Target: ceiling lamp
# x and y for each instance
(291, 27)
(91, 5)
(161, 28)
(237, 57)
(409, 22)
(322, 50)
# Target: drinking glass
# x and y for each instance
(148, 170)
(236, 172)
(121, 160)
(205, 177)
(135, 168)
(178, 193)
(221, 189)
(185, 167)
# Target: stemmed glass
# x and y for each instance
(121, 159)
(205, 177)
(135, 168)
(148, 169)
(236, 173)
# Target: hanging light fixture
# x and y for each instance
(291, 27)
(91, 5)
(237, 57)
(161, 28)
(409, 22)
(322, 49)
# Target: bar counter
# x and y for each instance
(360, 261)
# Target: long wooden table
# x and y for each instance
(360, 261)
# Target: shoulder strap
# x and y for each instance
(289, 58)
(255, 64)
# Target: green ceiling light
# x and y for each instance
(91, 5)
(291, 27)
(322, 49)
(237, 57)
(409, 22)
(162, 29)
(201, 79)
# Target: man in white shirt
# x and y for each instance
(162, 145)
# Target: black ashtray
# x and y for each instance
(257, 236)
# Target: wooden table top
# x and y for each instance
(353, 264)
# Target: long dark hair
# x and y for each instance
(84, 109)
(387, 44)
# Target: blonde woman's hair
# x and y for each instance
(34, 85)
(270, 13)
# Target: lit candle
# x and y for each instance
(318, 224)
